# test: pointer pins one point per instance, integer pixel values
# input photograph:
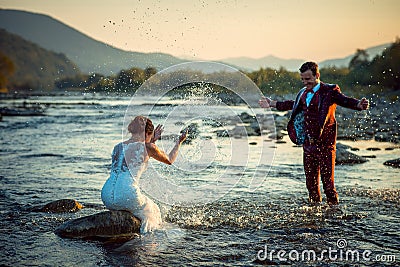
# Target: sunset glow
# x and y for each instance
(212, 30)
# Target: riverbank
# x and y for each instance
(381, 122)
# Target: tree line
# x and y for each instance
(362, 75)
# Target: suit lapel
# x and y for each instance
(322, 104)
(297, 101)
(322, 95)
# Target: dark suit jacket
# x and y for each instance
(329, 97)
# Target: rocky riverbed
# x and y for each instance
(380, 123)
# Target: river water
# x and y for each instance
(237, 201)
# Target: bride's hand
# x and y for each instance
(157, 133)
(183, 136)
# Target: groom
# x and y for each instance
(313, 125)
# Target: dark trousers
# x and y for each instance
(319, 161)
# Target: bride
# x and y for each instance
(129, 160)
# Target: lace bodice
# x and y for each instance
(129, 157)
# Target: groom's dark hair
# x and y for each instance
(310, 66)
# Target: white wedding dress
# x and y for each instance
(121, 190)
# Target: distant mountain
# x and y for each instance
(34, 66)
(90, 55)
(344, 62)
(94, 56)
(251, 64)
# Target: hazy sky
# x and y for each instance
(211, 30)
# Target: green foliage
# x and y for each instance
(382, 71)
(7, 69)
(148, 72)
(385, 69)
(106, 84)
(125, 81)
(79, 81)
(334, 75)
(130, 80)
(272, 81)
(362, 77)
(359, 60)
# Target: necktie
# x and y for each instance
(304, 95)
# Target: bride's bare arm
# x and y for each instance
(156, 153)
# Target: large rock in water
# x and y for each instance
(345, 157)
(101, 226)
(393, 163)
(59, 206)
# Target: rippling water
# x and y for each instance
(66, 154)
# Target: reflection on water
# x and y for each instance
(66, 154)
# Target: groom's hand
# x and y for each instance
(363, 104)
(266, 102)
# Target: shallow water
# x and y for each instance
(249, 206)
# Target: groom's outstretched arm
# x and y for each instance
(266, 102)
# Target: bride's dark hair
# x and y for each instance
(140, 125)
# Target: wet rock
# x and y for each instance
(369, 156)
(230, 99)
(243, 130)
(238, 131)
(392, 137)
(381, 137)
(193, 133)
(267, 121)
(246, 118)
(251, 131)
(393, 163)
(343, 146)
(212, 123)
(101, 226)
(255, 126)
(373, 148)
(277, 136)
(380, 122)
(345, 157)
(222, 133)
(281, 121)
(179, 123)
(346, 135)
(60, 206)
